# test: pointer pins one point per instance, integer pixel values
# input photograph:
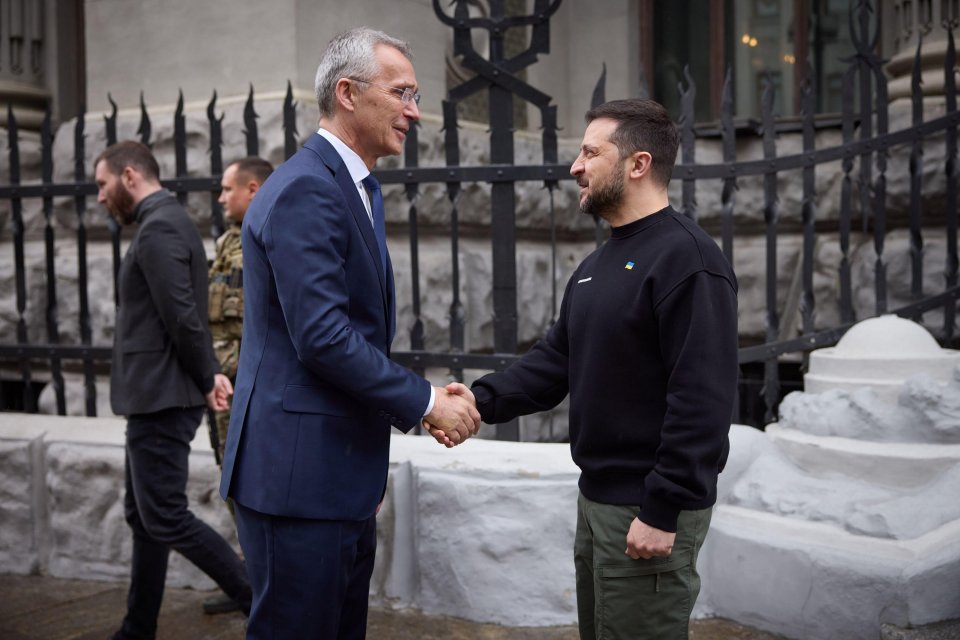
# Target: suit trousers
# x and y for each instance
(155, 505)
(311, 578)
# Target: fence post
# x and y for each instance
(53, 332)
(951, 262)
(80, 204)
(771, 215)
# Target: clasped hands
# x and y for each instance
(454, 417)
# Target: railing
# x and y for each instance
(863, 154)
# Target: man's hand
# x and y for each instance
(454, 417)
(438, 435)
(644, 541)
(218, 397)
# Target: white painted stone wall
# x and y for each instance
(485, 531)
(808, 547)
(844, 515)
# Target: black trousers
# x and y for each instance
(155, 505)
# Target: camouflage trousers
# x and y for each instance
(221, 420)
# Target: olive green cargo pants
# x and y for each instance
(619, 598)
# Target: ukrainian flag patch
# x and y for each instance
(628, 266)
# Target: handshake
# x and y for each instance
(454, 417)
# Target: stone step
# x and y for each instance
(947, 630)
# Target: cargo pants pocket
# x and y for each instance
(645, 601)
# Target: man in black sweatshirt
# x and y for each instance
(646, 346)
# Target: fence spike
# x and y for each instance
(180, 145)
(250, 122)
(289, 123)
(110, 122)
(145, 129)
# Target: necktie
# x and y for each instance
(376, 208)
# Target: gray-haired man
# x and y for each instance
(317, 394)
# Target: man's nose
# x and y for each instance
(412, 111)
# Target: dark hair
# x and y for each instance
(642, 125)
(130, 153)
(253, 167)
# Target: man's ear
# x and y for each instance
(252, 186)
(129, 176)
(642, 164)
(345, 94)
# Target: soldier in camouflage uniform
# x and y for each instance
(239, 184)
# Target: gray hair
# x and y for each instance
(351, 54)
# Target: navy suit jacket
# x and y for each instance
(316, 392)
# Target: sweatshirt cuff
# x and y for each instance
(658, 514)
(484, 400)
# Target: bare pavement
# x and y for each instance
(44, 608)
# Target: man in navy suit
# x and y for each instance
(317, 394)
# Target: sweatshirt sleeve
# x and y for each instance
(697, 321)
(538, 381)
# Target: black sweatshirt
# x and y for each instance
(646, 345)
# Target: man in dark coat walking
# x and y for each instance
(162, 375)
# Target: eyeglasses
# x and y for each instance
(406, 94)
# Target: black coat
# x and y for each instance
(162, 352)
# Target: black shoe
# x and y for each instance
(220, 603)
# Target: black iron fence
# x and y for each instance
(866, 142)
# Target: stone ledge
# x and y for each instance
(896, 464)
(809, 580)
(485, 532)
(445, 514)
(949, 630)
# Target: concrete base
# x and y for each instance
(809, 580)
(949, 630)
(484, 532)
(61, 499)
(451, 520)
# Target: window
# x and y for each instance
(781, 40)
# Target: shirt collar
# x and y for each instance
(148, 204)
(358, 170)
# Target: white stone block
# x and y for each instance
(497, 550)
(809, 580)
(20, 550)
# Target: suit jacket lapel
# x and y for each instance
(332, 159)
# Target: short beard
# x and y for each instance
(606, 198)
(122, 206)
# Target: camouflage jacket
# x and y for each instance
(226, 300)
